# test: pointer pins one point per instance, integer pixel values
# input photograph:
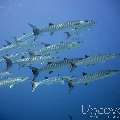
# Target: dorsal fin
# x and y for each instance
(65, 58)
(8, 62)
(49, 63)
(68, 34)
(22, 57)
(36, 31)
(59, 74)
(51, 33)
(50, 72)
(8, 42)
(4, 45)
(86, 56)
(45, 44)
(84, 73)
(46, 77)
(50, 24)
(31, 54)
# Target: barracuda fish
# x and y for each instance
(26, 61)
(47, 81)
(16, 44)
(90, 77)
(51, 66)
(74, 25)
(11, 82)
(55, 48)
(92, 60)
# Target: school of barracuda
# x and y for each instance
(48, 59)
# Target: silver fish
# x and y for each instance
(11, 82)
(92, 60)
(26, 61)
(51, 66)
(90, 77)
(77, 24)
(34, 59)
(55, 48)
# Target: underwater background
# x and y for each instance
(54, 102)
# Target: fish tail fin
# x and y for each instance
(8, 62)
(68, 35)
(36, 30)
(35, 84)
(70, 85)
(35, 72)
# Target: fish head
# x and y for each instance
(83, 23)
(112, 72)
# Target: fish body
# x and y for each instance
(57, 48)
(74, 25)
(11, 82)
(77, 24)
(34, 59)
(92, 60)
(51, 66)
(26, 61)
(49, 81)
(90, 77)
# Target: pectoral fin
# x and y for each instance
(51, 33)
(72, 66)
(11, 86)
(35, 84)
(68, 34)
(45, 44)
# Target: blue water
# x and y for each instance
(54, 102)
